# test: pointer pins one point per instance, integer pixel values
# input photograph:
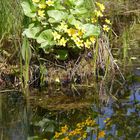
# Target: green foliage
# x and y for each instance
(62, 54)
(91, 30)
(81, 132)
(26, 55)
(46, 125)
(28, 8)
(56, 16)
(10, 18)
(26, 51)
(46, 37)
(31, 32)
(62, 24)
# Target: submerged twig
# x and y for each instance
(75, 67)
(53, 63)
(8, 90)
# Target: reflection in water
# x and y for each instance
(13, 117)
(124, 117)
(120, 119)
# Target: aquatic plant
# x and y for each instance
(64, 25)
(26, 55)
(83, 130)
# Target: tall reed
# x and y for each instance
(10, 18)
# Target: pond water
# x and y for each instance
(25, 120)
(39, 117)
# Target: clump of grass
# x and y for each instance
(10, 18)
(10, 28)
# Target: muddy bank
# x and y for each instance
(83, 71)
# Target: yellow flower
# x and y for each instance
(77, 131)
(64, 129)
(63, 26)
(57, 80)
(108, 123)
(106, 120)
(66, 138)
(93, 20)
(41, 13)
(79, 43)
(101, 6)
(35, 1)
(84, 135)
(71, 31)
(101, 134)
(62, 42)
(50, 3)
(92, 39)
(98, 13)
(93, 122)
(90, 122)
(75, 38)
(57, 135)
(72, 133)
(77, 26)
(80, 125)
(106, 28)
(87, 45)
(107, 21)
(42, 6)
(56, 35)
(80, 33)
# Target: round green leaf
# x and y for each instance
(91, 30)
(62, 54)
(57, 15)
(28, 9)
(45, 36)
(31, 32)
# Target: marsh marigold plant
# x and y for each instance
(81, 132)
(64, 23)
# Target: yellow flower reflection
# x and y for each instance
(64, 129)
(66, 138)
(101, 134)
(57, 135)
